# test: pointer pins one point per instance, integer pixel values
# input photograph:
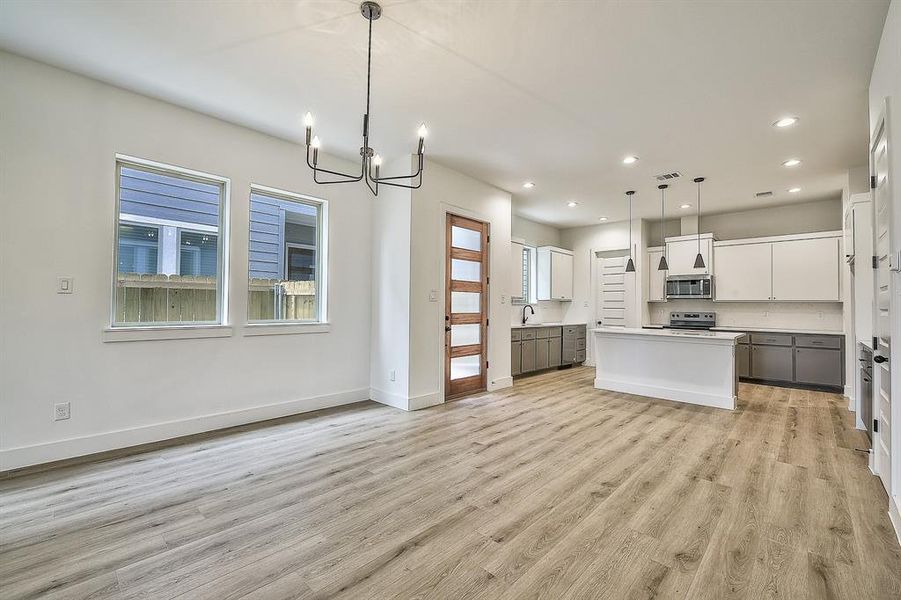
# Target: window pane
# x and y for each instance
(285, 259)
(468, 239)
(167, 248)
(465, 302)
(466, 270)
(465, 366)
(465, 335)
(197, 254)
(138, 248)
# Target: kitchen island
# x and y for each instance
(695, 367)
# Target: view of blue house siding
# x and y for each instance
(267, 237)
(149, 194)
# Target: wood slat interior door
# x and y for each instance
(466, 307)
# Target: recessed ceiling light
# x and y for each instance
(529, 185)
(685, 206)
(630, 160)
(794, 190)
(792, 162)
(572, 204)
(785, 122)
(602, 219)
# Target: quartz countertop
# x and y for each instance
(670, 333)
(765, 330)
(533, 325)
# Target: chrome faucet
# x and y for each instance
(524, 317)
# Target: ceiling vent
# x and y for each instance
(668, 176)
(763, 194)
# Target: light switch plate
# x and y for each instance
(61, 411)
(433, 295)
(65, 285)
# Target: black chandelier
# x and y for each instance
(370, 162)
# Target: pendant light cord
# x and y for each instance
(368, 65)
(699, 217)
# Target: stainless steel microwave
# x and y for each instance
(689, 286)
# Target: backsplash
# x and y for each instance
(550, 311)
(819, 316)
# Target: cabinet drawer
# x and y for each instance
(770, 339)
(580, 344)
(528, 334)
(554, 332)
(818, 341)
(515, 335)
(580, 356)
(541, 334)
(574, 331)
(744, 340)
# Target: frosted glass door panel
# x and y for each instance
(468, 239)
(465, 335)
(466, 270)
(464, 366)
(466, 302)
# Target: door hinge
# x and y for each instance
(488, 239)
(875, 262)
(872, 182)
(486, 322)
(486, 364)
(875, 343)
(875, 425)
(488, 280)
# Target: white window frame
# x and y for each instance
(321, 323)
(532, 297)
(216, 328)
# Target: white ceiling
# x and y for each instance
(555, 92)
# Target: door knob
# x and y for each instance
(879, 359)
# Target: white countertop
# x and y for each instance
(670, 333)
(768, 330)
(531, 325)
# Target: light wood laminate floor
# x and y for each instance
(550, 489)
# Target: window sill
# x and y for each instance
(173, 332)
(285, 328)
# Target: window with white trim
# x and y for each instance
(527, 268)
(168, 246)
(287, 257)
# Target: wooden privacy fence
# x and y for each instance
(187, 299)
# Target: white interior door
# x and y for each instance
(882, 383)
(615, 291)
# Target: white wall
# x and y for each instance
(58, 139)
(390, 341)
(450, 191)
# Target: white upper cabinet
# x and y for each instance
(743, 272)
(656, 278)
(555, 273)
(682, 251)
(516, 269)
(807, 270)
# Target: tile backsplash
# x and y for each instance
(550, 311)
(820, 316)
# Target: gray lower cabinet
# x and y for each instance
(743, 360)
(516, 358)
(528, 355)
(771, 362)
(554, 351)
(541, 354)
(818, 366)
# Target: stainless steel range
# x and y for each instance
(692, 320)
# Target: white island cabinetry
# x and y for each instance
(691, 367)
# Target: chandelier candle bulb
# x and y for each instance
(315, 144)
(308, 123)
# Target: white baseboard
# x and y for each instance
(677, 395)
(24, 456)
(389, 399)
(425, 401)
(894, 515)
(500, 383)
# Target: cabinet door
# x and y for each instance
(554, 351)
(681, 257)
(806, 270)
(528, 356)
(656, 279)
(771, 362)
(743, 360)
(516, 358)
(561, 276)
(743, 273)
(541, 354)
(818, 366)
(516, 268)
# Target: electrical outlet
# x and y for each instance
(820, 315)
(392, 375)
(65, 285)
(585, 304)
(61, 411)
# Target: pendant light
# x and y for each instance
(630, 266)
(663, 266)
(699, 260)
